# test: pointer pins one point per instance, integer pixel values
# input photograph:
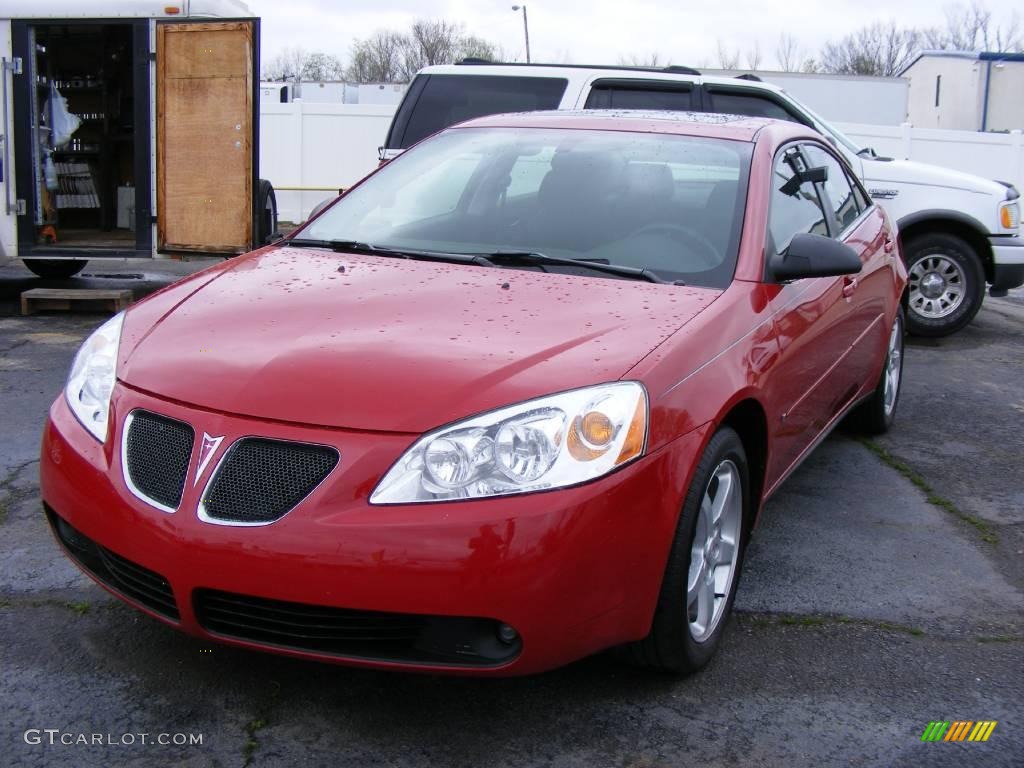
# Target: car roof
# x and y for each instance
(585, 72)
(704, 124)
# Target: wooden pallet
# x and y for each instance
(63, 298)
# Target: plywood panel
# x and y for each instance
(204, 136)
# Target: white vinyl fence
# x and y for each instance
(310, 150)
(318, 148)
(990, 155)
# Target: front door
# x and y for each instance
(206, 143)
(814, 319)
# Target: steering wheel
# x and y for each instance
(707, 253)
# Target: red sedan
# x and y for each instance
(516, 398)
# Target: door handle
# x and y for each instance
(849, 286)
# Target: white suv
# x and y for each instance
(958, 231)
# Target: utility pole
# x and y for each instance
(526, 29)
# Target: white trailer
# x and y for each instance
(164, 160)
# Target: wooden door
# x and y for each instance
(204, 136)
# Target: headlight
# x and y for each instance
(550, 442)
(92, 377)
(1009, 215)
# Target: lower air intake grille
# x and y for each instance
(156, 455)
(409, 638)
(261, 480)
(120, 574)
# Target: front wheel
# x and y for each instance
(946, 284)
(704, 565)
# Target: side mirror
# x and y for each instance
(815, 256)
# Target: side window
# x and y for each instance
(624, 96)
(863, 200)
(745, 103)
(795, 205)
(444, 100)
(837, 186)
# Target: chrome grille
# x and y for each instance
(156, 456)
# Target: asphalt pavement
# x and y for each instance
(883, 589)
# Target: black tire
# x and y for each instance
(872, 417)
(918, 250)
(266, 212)
(670, 646)
(56, 269)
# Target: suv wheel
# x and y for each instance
(946, 284)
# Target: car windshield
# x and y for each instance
(669, 204)
(824, 126)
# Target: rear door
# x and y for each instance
(751, 102)
(636, 93)
(206, 135)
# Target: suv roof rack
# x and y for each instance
(677, 69)
(749, 76)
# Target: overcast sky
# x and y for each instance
(682, 32)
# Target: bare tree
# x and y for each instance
(788, 53)
(394, 57)
(287, 65)
(810, 66)
(439, 42)
(322, 66)
(727, 59)
(376, 59)
(753, 56)
(880, 49)
(653, 59)
(972, 28)
(472, 47)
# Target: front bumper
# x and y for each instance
(1007, 263)
(573, 571)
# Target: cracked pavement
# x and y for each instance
(864, 613)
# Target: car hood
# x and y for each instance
(374, 343)
(910, 172)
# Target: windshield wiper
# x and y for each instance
(336, 245)
(533, 257)
(355, 246)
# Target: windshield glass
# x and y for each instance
(824, 126)
(671, 204)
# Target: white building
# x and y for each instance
(841, 98)
(966, 90)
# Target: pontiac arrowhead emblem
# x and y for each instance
(208, 448)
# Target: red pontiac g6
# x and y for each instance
(516, 398)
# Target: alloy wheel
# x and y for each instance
(893, 367)
(937, 286)
(715, 551)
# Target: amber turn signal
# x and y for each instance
(635, 438)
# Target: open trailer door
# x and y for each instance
(8, 202)
(206, 135)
